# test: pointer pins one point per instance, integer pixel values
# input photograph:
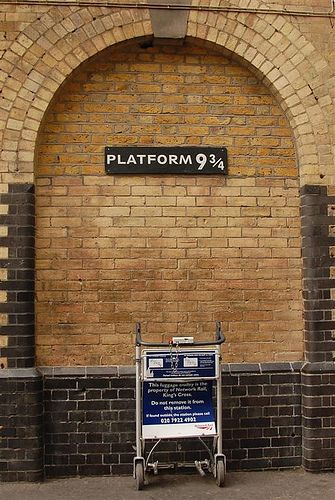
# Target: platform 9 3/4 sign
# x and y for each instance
(164, 160)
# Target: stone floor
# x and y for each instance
(269, 485)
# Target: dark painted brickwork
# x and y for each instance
(261, 416)
(20, 281)
(275, 415)
(90, 420)
(318, 221)
(21, 430)
(318, 407)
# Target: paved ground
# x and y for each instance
(269, 485)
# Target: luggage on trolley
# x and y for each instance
(174, 400)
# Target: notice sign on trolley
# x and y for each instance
(181, 363)
(178, 409)
(166, 160)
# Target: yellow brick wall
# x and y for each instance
(42, 42)
(174, 252)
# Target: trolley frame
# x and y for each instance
(217, 460)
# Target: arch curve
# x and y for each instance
(48, 50)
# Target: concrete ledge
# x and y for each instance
(120, 371)
(20, 373)
(318, 368)
(253, 368)
(79, 371)
(169, 23)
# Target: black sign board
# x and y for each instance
(165, 160)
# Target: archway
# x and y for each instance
(173, 252)
(42, 57)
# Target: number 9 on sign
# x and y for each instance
(201, 159)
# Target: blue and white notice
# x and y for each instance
(181, 363)
(178, 409)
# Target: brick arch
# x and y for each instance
(117, 98)
(48, 50)
(41, 60)
(293, 69)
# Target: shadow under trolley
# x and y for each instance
(174, 400)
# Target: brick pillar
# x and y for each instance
(17, 276)
(318, 374)
(21, 420)
(318, 219)
(21, 388)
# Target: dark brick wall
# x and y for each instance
(21, 425)
(318, 408)
(318, 236)
(318, 374)
(19, 307)
(90, 420)
(59, 422)
(262, 415)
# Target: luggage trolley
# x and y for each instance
(174, 400)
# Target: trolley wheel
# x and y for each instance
(139, 476)
(220, 473)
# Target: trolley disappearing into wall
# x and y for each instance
(174, 400)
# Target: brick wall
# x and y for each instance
(318, 254)
(318, 410)
(80, 420)
(89, 422)
(17, 276)
(71, 421)
(262, 415)
(175, 253)
(90, 412)
(40, 46)
(21, 425)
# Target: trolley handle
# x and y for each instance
(220, 339)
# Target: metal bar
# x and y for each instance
(129, 5)
(151, 452)
(211, 457)
(167, 344)
(219, 411)
(220, 339)
(138, 403)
